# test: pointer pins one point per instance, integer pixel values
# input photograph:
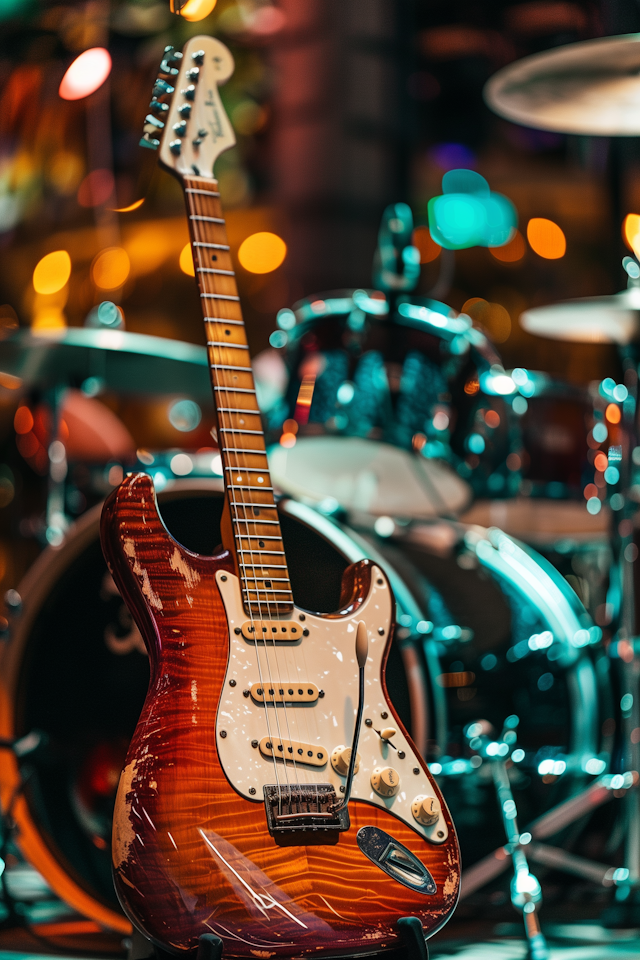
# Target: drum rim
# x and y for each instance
(34, 588)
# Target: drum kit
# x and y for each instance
(396, 434)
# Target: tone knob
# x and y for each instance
(340, 759)
(385, 781)
(388, 732)
(426, 810)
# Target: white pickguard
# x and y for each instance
(327, 658)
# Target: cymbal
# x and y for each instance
(120, 361)
(590, 88)
(364, 476)
(614, 319)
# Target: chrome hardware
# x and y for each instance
(154, 121)
(158, 105)
(193, 74)
(175, 146)
(180, 127)
(396, 861)
(160, 87)
(196, 142)
(185, 110)
(198, 56)
(189, 93)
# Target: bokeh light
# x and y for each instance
(86, 74)
(186, 261)
(195, 10)
(262, 252)
(512, 251)
(110, 268)
(631, 232)
(612, 413)
(184, 415)
(546, 238)
(132, 206)
(96, 188)
(429, 250)
(52, 272)
(492, 317)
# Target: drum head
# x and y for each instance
(77, 671)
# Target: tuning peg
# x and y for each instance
(185, 110)
(149, 142)
(180, 127)
(150, 119)
(189, 93)
(193, 74)
(198, 56)
(170, 71)
(175, 146)
(158, 105)
(170, 53)
(161, 86)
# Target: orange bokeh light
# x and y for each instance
(288, 440)
(510, 252)
(86, 74)
(429, 250)
(186, 261)
(601, 462)
(590, 491)
(612, 413)
(23, 420)
(262, 252)
(546, 238)
(631, 232)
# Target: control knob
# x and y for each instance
(340, 759)
(426, 810)
(385, 781)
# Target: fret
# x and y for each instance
(197, 216)
(257, 566)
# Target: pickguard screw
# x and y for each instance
(252, 791)
(416, 770)
(379, 582)
(381, 631)
(237, 631)
(232, 683)
(223, 734)
(302, 617)
(245, 693)
(223, 578)
(384, 715)
(342, 788)
(441, 833)
(368, 723)
(401, 754)
(254, 744)
(305, 632)
(321, 693)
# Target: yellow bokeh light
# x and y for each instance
(186, 261)
(111, 268)
(631, 232)
(52, 272)
(546, 238)
(195, 10)
(132, 206)
(262, 252)
(49, 318)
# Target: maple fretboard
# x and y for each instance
(258, 540)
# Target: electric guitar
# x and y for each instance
(271, 795)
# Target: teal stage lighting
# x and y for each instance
(468, 214)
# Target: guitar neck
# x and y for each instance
(257, 537)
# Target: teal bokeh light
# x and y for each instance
(468, 214)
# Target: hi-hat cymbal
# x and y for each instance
(120, 361)
(590, 88)
(365, 476)
(614, 319)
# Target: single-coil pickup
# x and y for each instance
(270, 630)
(284, 692)
(293, 751)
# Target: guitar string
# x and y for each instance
(239, 494)
(196, 203)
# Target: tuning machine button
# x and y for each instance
(150, 119)
(175, 146)
(158, 105)
(170, 71)
(341, 758)
(149, 142)
(193, 74)
(160, 87)
(180, 127)
(189, 93)
(385, 781)
(426, 810)
(198, 56)
(185, 110)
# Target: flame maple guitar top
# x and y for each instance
(191, 855)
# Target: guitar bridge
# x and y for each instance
(304, 814)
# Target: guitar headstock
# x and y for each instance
(187, 121)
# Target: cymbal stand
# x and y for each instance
(57, 521)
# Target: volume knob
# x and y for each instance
(385, 781)
(341, 758)
(426, 810)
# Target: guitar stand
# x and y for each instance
(415, 947)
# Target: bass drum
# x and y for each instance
(76, 671)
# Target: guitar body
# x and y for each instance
(192, 851)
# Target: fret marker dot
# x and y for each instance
(238, 479)
(260, 480)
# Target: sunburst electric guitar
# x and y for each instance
(271, 795)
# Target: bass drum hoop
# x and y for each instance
(34, 590)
